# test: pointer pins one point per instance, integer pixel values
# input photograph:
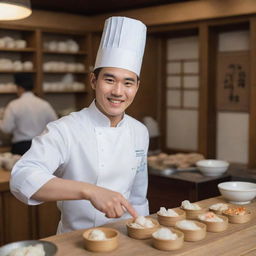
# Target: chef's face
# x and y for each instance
(115, 90)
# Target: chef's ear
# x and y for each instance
(93, 80)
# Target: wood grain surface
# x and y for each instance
(238, 239)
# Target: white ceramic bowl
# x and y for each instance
(238, 192)
(211, 167)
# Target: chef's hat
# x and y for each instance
(122, 44)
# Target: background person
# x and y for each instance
(27, 116)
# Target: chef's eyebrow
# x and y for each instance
(111, 75)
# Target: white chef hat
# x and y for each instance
(122, 44)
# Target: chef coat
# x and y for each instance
(26, 117)
(82, 146)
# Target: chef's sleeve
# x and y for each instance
(37, 166)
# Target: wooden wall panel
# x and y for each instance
(203, 85)
(145, 102)
(252, 110)
(1, 221)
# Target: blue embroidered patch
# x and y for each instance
(142, 162)
(139, 153)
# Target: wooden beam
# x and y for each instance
(252, 100)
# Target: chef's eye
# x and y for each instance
(109, 80)
(129, 84)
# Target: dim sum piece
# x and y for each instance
(97, 234)
(169, 212)
(236, 211)
(219, 207)
(210, 216)
(165, 233)
(189, 206)
(187, 224)
(142, 222)
(36, 250)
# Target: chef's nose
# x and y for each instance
(118, 89)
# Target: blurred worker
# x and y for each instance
(27, 116)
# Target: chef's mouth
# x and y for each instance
(115, 101)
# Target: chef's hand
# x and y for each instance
(112, 203)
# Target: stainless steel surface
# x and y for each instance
(49, 248)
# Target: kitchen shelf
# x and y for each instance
(14, 71)
(65, 53)
(10, 92)
(66, 72)
(66, 91)
(35, 52)
(17, 50)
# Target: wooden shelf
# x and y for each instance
(65, 92)
(14, 71)
(35, 53)
(10, 92)
(65, 53)
(66, 72)
(18, 50)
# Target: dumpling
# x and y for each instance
(219, 207)
(97, 234)
(36, 250)
(210, 216)
(189, 206)
(142, 222)
(187, 224)
(169, 212)
(165, 233)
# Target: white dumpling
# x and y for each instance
(187, 224)
(169, 212)
(36, 250)
(165, 233)
(142, 222)
(97, 234)
(189, 206)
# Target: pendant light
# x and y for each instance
(14, 9)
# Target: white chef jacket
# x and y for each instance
(26, 117)
(82, 146)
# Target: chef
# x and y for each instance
(93, 162)
(27, 116)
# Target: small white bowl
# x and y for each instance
(238, 192)
(212, 167)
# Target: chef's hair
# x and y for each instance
(24, 80)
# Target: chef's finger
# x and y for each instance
(110, 214)
(119, 210)
(130, 209)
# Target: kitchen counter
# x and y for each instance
(238, 239)
(170, 188)
(33, 222)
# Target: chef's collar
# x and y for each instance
(99, 119)
(27, 93)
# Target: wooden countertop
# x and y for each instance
(238, 239)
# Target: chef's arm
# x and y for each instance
(112, 203)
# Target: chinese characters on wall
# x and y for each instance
(232, 88)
